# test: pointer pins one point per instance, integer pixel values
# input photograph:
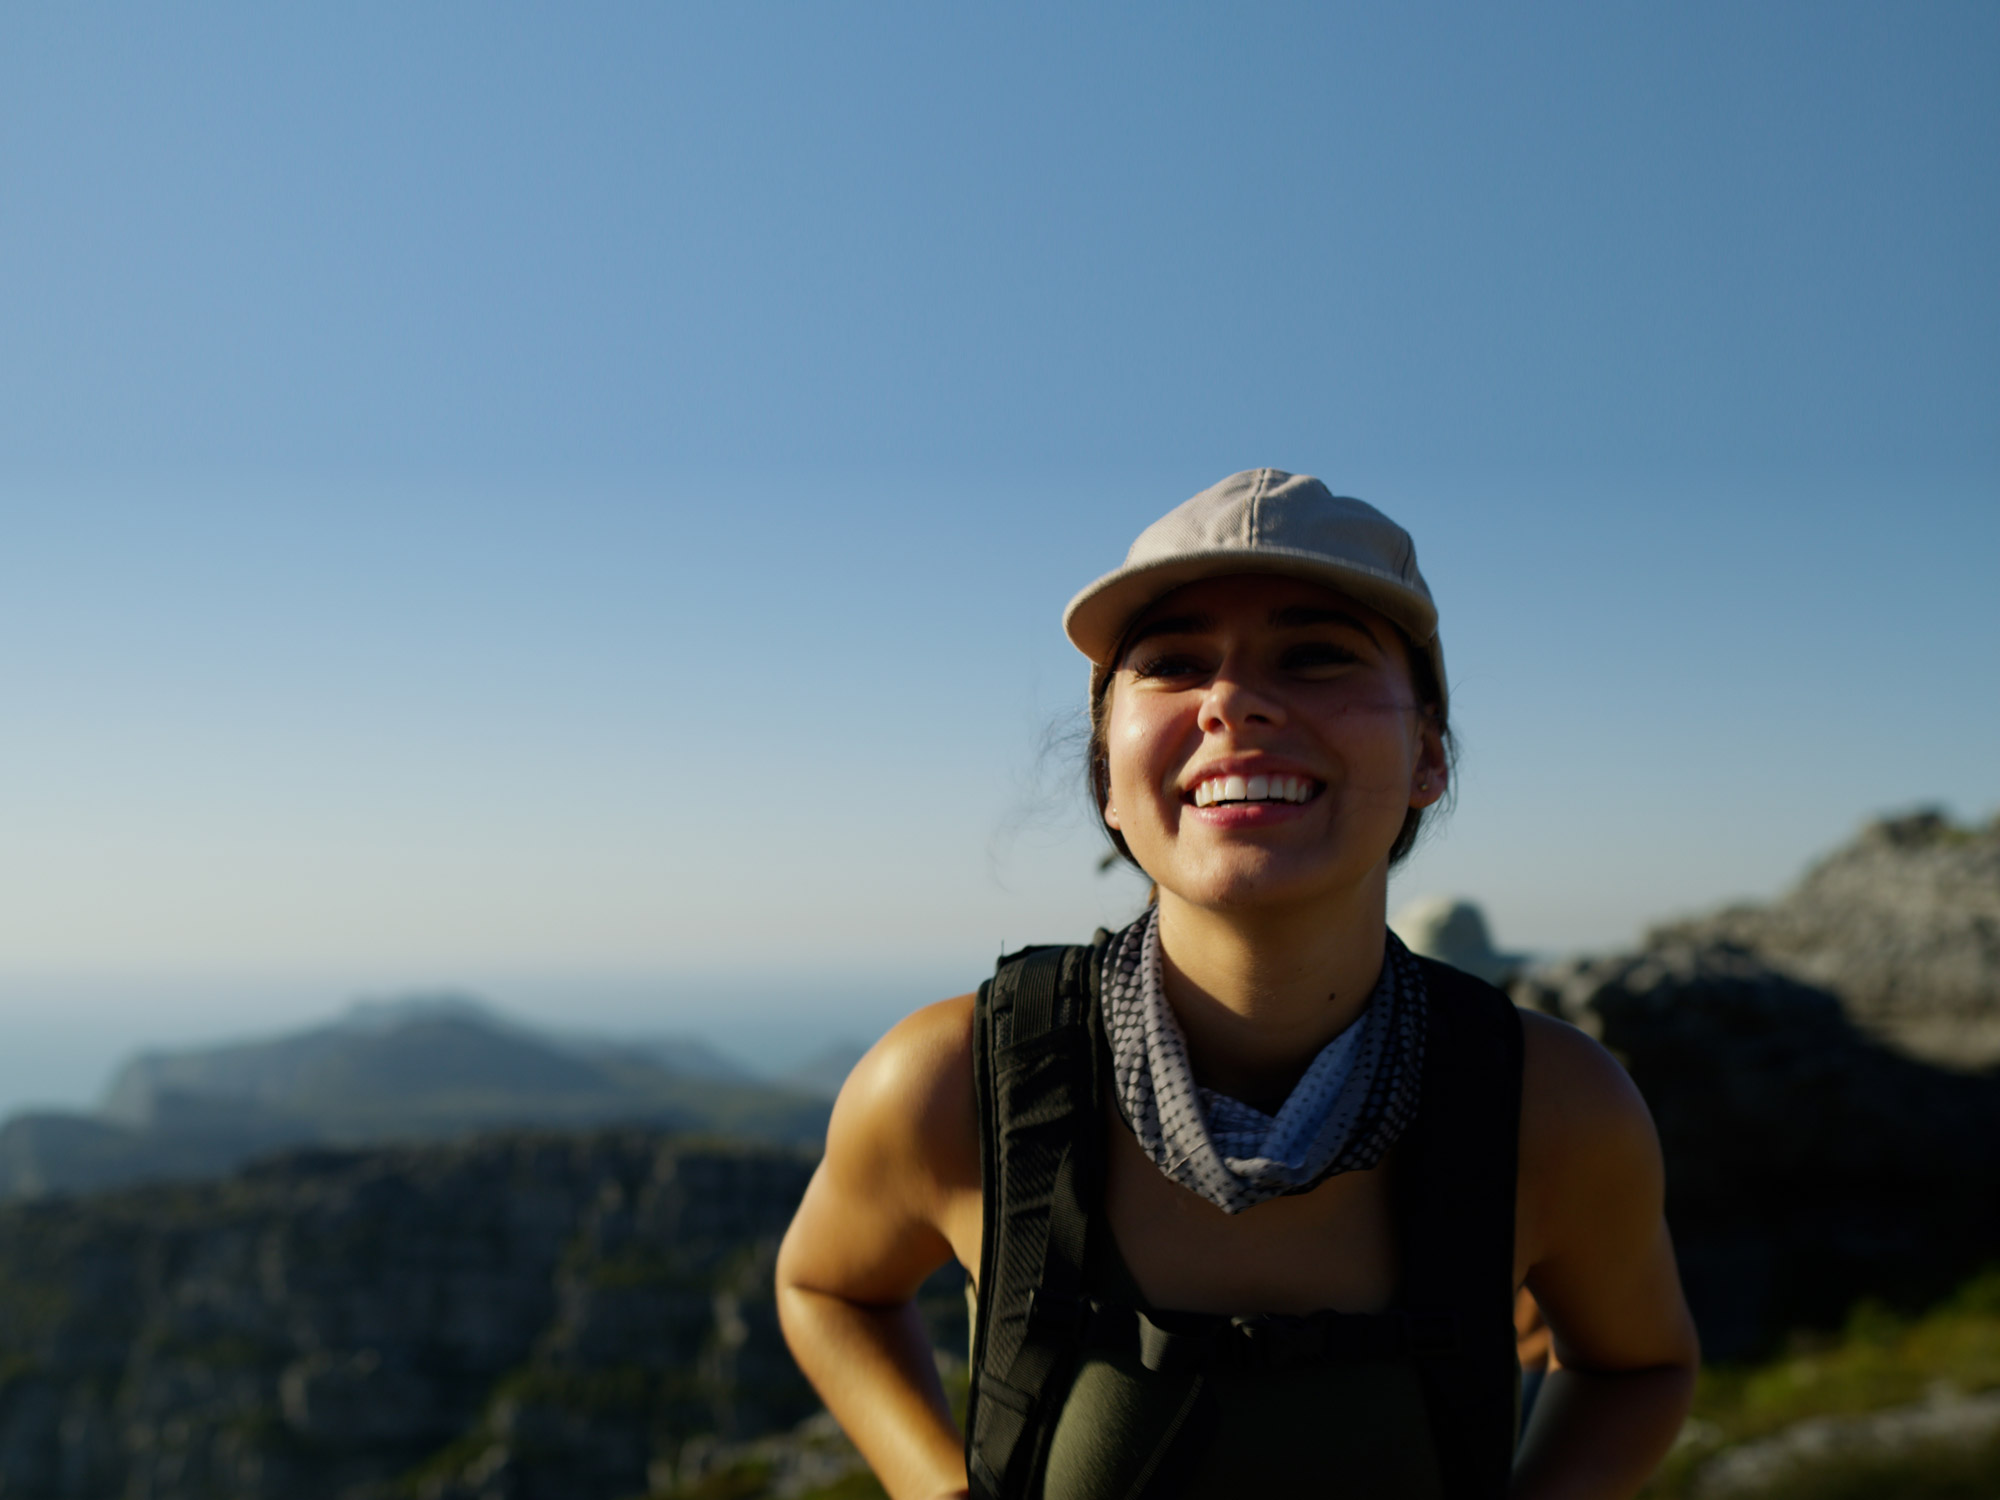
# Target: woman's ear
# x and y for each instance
(1430, 777)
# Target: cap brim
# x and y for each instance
(1098, 617)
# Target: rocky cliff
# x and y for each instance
(516, 1318)
(1902, 924)
(1813, 1068)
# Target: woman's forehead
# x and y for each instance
(1277, 598)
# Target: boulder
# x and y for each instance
(1808, 1163)
(1903, 924)
(1453, 930)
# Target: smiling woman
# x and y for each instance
(1247, 1190)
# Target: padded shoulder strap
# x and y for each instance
(1456, 1195)
(1034, 1071)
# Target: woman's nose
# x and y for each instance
(1233, 700)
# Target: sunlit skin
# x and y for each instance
(1256, 673)
(1272, 925)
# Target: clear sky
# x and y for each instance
(575, 502)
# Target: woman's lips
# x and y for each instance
(1281, 788)
(1245, 814)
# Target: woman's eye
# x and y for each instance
(1167, 664)
(1317, 654)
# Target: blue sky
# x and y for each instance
(576, 502)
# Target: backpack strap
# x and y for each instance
(1035, 1062)
(1456, 1206)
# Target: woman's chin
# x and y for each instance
(1268, 883)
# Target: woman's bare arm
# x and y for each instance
(1600, 1264)
(896, 1195)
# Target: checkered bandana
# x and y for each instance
(1348, 1109)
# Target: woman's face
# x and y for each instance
(1264, 743)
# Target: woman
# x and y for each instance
(1272, 1241)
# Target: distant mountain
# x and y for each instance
(682, 1056)
(387, 1013)
(422, 1068)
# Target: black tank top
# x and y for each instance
(1354, 1426)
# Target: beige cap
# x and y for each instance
(1263, 521)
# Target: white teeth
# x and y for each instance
(1251, 789)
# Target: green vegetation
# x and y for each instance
(642, 1269)
(1937, 1473)
(447, 1462)
(860, 1485)
(746, 1481)
(597, 1391)
(1879, 1360)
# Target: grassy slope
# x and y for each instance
(1879, 1360)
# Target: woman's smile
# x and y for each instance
(1219, 790)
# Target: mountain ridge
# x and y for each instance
(426, 1067)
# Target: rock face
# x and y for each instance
(1811, 1160)
(511, 1319)
(1903, 925)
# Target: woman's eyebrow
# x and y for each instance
(1295, 616)
(1168, 625)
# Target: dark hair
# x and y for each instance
(1423, 681)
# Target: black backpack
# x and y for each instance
(1039, 1068)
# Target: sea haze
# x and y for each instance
(69, 1034)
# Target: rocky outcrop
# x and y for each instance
(1453, 930)
(519, 1317)
(1808, 1164)
(1903, 924)
(1821, 1075)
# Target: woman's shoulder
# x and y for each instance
(1571, 1087)
(923, 1063)
(1569, 1083)
(908, 1105)
(1589, 1152)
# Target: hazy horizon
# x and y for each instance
(769, 1020)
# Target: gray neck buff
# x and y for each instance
(1348, 1109)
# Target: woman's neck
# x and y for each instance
(1258, 995)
